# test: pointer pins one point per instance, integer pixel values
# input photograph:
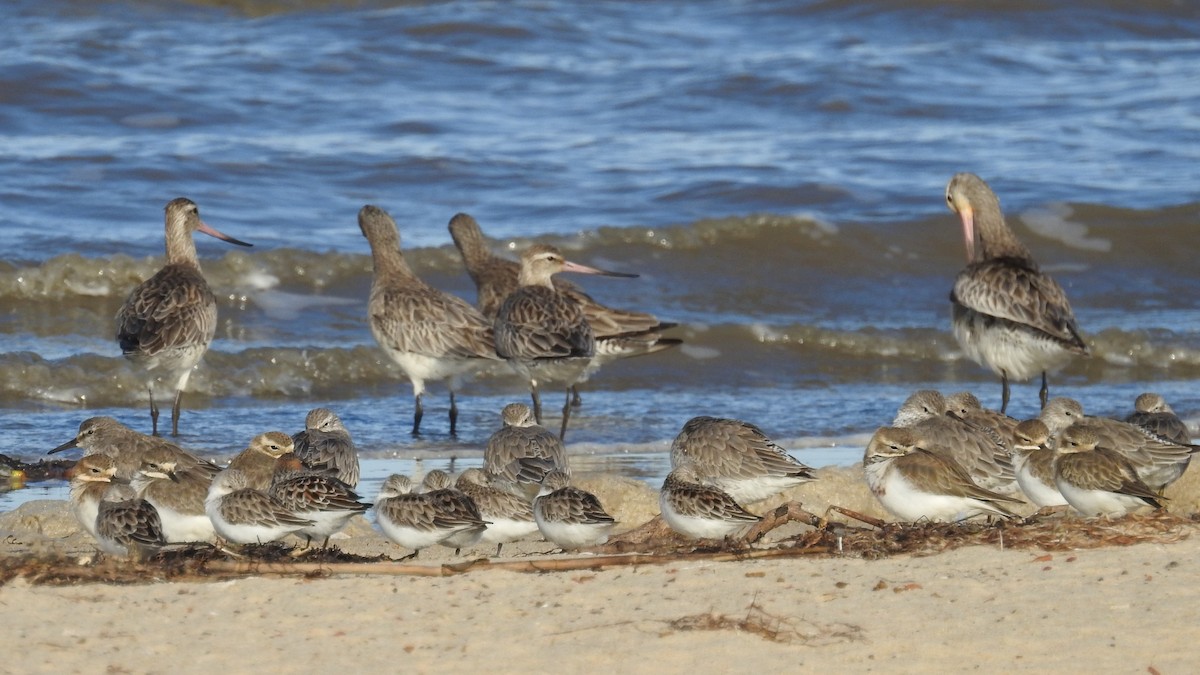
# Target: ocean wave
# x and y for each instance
(735, 355)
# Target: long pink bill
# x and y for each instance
(968, 225)
(569, 266)
(220, 235)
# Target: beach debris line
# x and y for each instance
(202, 562)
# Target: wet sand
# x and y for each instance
(1119, 608)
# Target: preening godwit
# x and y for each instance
(430, 334)
(1007, 315)
(168, 321)
(619, 333)
(543, 333)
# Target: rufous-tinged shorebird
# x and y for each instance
(316, 496)
(1007, 314)
(430, 334)
(242, 514)
(168, 320)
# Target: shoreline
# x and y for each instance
(1120, 607)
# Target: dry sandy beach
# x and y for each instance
(1113, 609)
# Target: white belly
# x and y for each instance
(1098, 502)
(1006, 349)
(1039, 493)
(698, 528)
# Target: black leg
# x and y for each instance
(153, 412)
(576, 401)
(175, 413)
(1004, 395)
(418, 413)
(1044, 394)
(566, 414)
(453, 415)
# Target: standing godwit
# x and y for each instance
(542, 332)
(168, 321)
(1007, 315)
(619, 333)
(430, 334)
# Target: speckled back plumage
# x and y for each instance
(325, 445)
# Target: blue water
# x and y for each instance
(775, 170)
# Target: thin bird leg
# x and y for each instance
(153, 412)
(1045, 392)
(576, 401)
(175, 413)
(453, 414)
(537, 401)
(418, 413)
(566, 412)
(1004, 395)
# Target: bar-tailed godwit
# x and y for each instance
(430, 334)
(1007, 314)
(168, 320)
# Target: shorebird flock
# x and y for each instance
(941, 458)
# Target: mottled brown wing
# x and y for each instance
(705, 502)
(538, 323)
(1166, 426)
(948, 477)
(1019, 293)
(574, 505)
(173, 308)
(130, 522)
(329, 452)
(734, 449)
(316, 492)
(426, 321)
(452, 508)
(514, 443)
